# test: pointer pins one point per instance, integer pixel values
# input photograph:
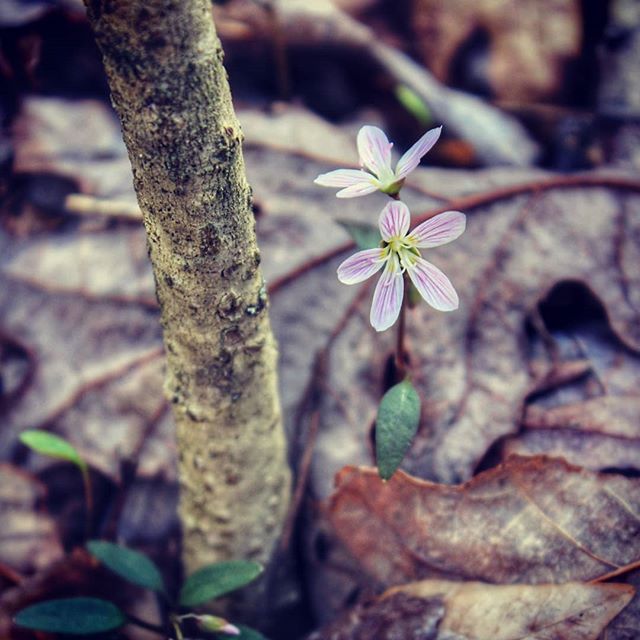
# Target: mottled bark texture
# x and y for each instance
(164, 66)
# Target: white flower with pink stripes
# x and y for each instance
(374, 150)
(400, 254)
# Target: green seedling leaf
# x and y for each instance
(216, 580)
(53, 446)
(396, 425)
(365, 235)
(128, 564)
(413, 103)
(247, 633)
(77, 616)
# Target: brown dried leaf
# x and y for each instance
(525, 521)
(530, 42)
(616, 416)
(478, 375)
(441, 610)
(599, 433)
(29, 539)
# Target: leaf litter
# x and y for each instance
(81, 301)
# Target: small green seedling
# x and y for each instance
(49, 444)
(413, 103)
(87, 616)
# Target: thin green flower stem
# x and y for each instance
(88, 498)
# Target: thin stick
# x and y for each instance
(146, 625)
(303, 475)
(616, 572)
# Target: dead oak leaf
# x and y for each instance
(598, 433)
(442, 610)
(530, 520)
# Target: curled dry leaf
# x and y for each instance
(531, 520)
(602, 432)
(442, 610)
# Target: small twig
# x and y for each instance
(616, 572)
(11, 574)
(89, 205)
(146, 625)
(117, 372)
(307, 266)
(310, 402)
(304, 469)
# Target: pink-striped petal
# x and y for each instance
(359, 189)
(387, 298)
(432, 284)
(343, 178)
(439, 230)
(394, 220)
(361, 265)
(411, 159)
(375, 152)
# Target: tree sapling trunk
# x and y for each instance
(164, 65)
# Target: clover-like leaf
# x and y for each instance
(215, 580)
(128, 564)
(396, 425)
(365, 235)
(76, 616)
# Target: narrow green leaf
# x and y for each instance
(216, 580)
(396, 425)
(365, 235)
(77, 616)
(49, 444)
(413, 103)
(247, 633)
(128, 564)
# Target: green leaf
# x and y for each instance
(365, 235)
(51, 445)
(78, 616)
(413, 103)
(128, 564)
(396, 425)
(216, 580)
(246, 633)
